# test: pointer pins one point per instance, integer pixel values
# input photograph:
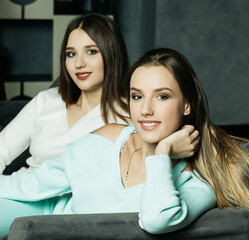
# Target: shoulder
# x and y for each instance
(110, 131)
(91, 141)
(91, 144)
(49, 94)
(49, 98)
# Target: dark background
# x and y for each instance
(213, 35)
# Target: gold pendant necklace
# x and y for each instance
(128, 169)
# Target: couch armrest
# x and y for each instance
(8, 110)
(214, 224)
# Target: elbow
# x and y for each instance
(149, 224)
(163, 222)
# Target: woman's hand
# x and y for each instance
(181, 144)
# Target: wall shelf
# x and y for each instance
(39, 12)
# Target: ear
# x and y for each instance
(187, 109)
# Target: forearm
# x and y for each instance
(160, 203)
(171, 202)
(46, 181)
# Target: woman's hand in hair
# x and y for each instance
(181, 144)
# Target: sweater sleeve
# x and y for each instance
(43, 182)
(16, 136)
(168, 205)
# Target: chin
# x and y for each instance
(150, 139)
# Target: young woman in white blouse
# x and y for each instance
(93, 63)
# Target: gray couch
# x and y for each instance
(214, 224)
(8, 110)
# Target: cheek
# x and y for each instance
(133, 112)
(177, 117)
(68, 65)
(98, 63)
(173, 116)
(102, 71)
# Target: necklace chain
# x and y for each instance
(128, 168)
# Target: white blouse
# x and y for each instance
(42, 126)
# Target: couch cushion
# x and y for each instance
(219, 224)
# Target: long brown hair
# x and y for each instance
(219, 160)
(106, 34)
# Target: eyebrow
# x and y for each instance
(87, 46)
(155, 90)
(91, 45)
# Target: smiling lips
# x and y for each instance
(149, 125)
(83, 75)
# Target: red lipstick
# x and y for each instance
(83, 75)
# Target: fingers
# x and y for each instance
(184, 142)
(195, 144)
(189, 128)
(193, 147)
(195, 136)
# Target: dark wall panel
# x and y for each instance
(214, 36)
(136, 19)
(28, 44)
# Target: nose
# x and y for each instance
(147, 108)
(80, 62)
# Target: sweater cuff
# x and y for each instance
(158, 159)
(158, 167)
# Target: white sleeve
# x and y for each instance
(43, 182)
(16, 136)
(166, 205)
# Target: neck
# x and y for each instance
(89, 100)
(148, 149)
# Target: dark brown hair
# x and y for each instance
(106, 34)
(219, 160)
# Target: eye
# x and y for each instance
(136, 96)
(91, 52)
(70, 54)
(163, 97)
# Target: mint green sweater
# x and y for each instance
(89, 170)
